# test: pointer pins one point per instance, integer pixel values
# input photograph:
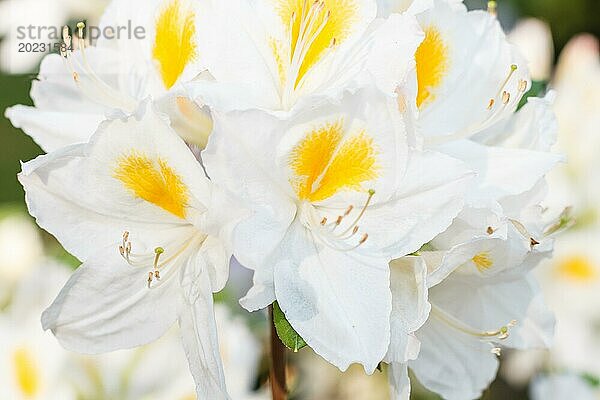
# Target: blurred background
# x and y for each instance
(560, 40)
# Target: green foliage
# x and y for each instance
(289, 337)
(538, 89)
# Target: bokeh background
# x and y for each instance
(562, 47)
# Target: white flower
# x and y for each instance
(534, 39)
(159, 370)
(468, 75)
(31, 362)
(562, 386)
(137, 190)
(483, 297)
(336, 194)
(73, 95)
(577, 81)
(270, 54)
(21, 247)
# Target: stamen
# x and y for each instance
(522, 85)
(362, 212)
(93, 87)
(157, 262)
(499, 334)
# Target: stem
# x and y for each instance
(278, 363)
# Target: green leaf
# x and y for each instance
(538, 89)
(592, 380)
(289, 337)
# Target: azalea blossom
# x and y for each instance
(560, 386)
(135, 206)
(32, 363)
(335, 194)
(143, 373)
(84, 85)
(271, 54)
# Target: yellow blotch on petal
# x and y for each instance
(26, 372)
(578, 268)
(174, 44)
(324, 163)
(314, 26)
(153, 181)
(483, 261)
(432, 64)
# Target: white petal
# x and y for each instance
(501, 172)
(391, 57)
(51, 129)
(430, 196)
(410, 306)
(235, 155)
(106, 306)
(338, 302)
(453, 364)
(199, 333)
(399, 381)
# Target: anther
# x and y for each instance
(324, 221)
(522, 85)
(505, 97)
(533, 242)
(364, 239)
(348, 210)
(339, 220)
(491, 104)
(497, 351)
(490, 230)
(150, 278)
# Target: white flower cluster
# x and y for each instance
(367, 160)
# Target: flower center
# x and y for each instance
(26, 372)
(483, 261)
(577, 268)
(325, 162)
(153, 181)
(313, 27)
(174, 44)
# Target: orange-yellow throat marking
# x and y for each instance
(577, 268)
(174, 45)
(482, 261)
(314, 26)
(324, 163)
(153, 181)
(432, 64)
(26, 372)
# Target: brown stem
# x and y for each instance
(278, 363)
